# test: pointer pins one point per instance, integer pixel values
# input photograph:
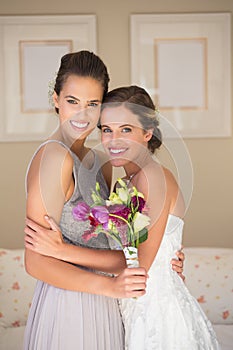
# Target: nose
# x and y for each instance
(82, 110)
(116, 139)
(115, 135)
(82, 106)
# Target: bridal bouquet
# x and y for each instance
(122, 217)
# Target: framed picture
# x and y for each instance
(43, 54)
(184, 62)
(30, 51)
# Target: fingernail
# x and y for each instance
(46, 217)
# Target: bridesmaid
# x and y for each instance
(74, 308)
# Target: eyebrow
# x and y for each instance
(121, 126)
(77, 99)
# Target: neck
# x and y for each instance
(131, 171)
(133, 168)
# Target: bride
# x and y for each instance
(167, 317)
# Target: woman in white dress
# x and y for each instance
(167, 317)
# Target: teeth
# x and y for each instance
(79, 125)
(116, 151)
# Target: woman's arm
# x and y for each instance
(49, 180)
(50, 243)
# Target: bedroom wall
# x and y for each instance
(209, 220)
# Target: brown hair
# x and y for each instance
(84, 64)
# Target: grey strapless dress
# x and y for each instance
(65, 320)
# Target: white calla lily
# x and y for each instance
(140, 221)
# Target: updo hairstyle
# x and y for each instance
(84, 64)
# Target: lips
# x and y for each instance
(117, 151)
(79, 125)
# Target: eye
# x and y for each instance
(105, 130)
(93, 104)
(126, 129)
(72, 101)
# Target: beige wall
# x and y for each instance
(209, 220)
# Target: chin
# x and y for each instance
(117, 162)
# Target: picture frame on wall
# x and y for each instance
(31, 48)
(33, 82)
(184, 62)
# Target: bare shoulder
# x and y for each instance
(56, 151)
(177, 204)
(51, 153)
(170, 179)
(51, 159)
(158, 182)
(151, 180)
(155, 174)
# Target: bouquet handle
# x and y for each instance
(131, 256)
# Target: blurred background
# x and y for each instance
(209, 218)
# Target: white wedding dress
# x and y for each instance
(167, 317)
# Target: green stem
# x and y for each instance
(113, 237)
(137, 241)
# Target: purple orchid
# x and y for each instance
(81, 212)
(119, 210)
(123, 222)
(100, 215)
(138, 202)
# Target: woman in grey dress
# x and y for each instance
(74, 308)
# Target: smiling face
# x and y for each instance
(122, 136)
(79, 106)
